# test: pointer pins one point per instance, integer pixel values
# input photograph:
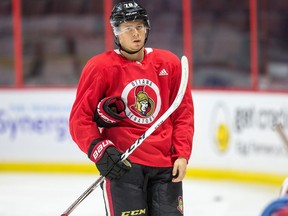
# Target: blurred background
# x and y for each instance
(238, 55)
(230, 44)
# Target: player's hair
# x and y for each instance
(128, 11)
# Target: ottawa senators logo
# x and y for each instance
(144, 104)
(180, 204)
(143, 101)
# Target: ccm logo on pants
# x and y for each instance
(134, 212)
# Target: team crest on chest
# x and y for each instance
(143, 101)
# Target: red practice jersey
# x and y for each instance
(148, 88)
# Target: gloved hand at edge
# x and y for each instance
(110, 112)
(108, 159)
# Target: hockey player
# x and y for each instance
(120, 94)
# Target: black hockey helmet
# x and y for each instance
(128, 11)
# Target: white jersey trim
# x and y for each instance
(117, 51)
(148, 50)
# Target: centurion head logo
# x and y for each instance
(144, 104)
(143, 101)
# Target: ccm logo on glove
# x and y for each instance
(104, 117)
(99, 149)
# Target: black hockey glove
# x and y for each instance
(107, 159)
(110, 111)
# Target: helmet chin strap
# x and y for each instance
(129, 51)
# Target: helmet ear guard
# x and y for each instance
(128, 11)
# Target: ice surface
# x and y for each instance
(51, 194)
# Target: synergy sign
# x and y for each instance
(18, 120)
(35, 121)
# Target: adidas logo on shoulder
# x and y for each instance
(163, 72)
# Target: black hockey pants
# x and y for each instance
(143, 191)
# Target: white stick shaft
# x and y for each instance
(279, 128)
(177, 101)
(280, 131)
(284, 188)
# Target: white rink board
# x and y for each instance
(34, 128)
(253, 145)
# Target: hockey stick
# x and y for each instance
(279, 128)
(284, 188)
(177, 101)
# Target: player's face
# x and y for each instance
(132, 35)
